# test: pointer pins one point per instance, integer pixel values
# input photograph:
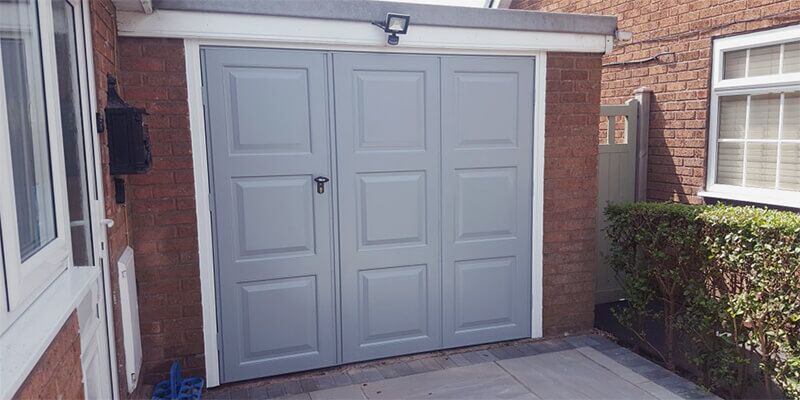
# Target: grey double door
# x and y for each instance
(419, 240)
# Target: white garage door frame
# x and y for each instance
(209, 29)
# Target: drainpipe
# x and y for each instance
(642, 95)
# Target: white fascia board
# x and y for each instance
(309, 33)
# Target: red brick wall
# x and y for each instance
(570, 191)
(163, 221)
(104, 41)
(678, 117)
(58, 374)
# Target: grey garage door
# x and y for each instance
(421, 238)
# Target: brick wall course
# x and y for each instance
(570, 191)
(58, 374)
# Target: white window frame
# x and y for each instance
(747, 86)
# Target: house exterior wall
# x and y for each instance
(164, 225)
(59, 370)
(570, 191)
(680, 84)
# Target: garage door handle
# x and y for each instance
(321, 180)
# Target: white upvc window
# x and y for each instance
(48, 201)
(754, 125)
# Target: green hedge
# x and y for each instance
(725, 280)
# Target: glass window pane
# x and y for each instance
(764, 60)
(72, 130)
(24, 91)
(790, 167)
(732, 113)
(762, 162)
(791, 116)
(791, 57)
(764, 116)
(729, 163)
(734, 64)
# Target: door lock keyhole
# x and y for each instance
(321, 180)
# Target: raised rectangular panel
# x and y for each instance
(275, 216)
(393, 304)
(391, 209)
(484, 293)
(486, 203)
(279, 318)
(270, 110)
(390, 107)
(486, 109)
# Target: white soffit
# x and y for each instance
(325, 34)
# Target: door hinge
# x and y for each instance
(100, 122)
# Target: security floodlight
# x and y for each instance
(395, 24)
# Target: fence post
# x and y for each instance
(642, 94)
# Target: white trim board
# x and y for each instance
(203, 192)
(320, 34)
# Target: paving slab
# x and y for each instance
(351, 392)
(569, 374)
(480, 381)
(613, 366)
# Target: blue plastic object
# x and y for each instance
(178, 388)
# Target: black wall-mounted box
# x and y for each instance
(128, 141)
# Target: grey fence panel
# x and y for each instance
(621, 177)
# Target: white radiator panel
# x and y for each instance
(130, 318)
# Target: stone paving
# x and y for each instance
(578, 367)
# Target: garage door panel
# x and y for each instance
(486, 204)
(384, 320)
(482, 119)
(390, 110)
(268, 136)
(264, 303)
(392, 209)
(264, 123)
(487, 134)
(254, 229)
(387, 125)
(484, 293)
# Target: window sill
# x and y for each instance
(779, 199)
(26, 340)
